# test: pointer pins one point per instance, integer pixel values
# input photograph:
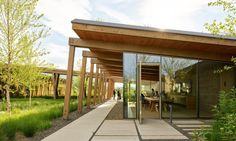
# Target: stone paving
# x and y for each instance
(94, 126)
(83, 128)
(188, 127)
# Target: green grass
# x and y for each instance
(30, 119)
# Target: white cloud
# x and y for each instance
(58, 55)
(60, 13)
(110, 11)
(176, 14)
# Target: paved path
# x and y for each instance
(83, 128)
(94, 126)
(189, 126)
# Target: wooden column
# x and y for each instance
(43, 87)
(101, 88)
(56, 77)
(104, 89)
(90, 84)
(110, 89)
(99, 84)
(69, 82)
(96, 86)
(82, 78)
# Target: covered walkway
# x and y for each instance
(108, 41)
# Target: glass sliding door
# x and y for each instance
(148, 86)
(129, 87)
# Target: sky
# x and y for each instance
(187, 15)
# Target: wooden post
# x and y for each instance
(101, 89)
(99, 85)
(38, 90)
(109, 88)
(55, 85)
(106, 93)
(95, 86)
(104, 89)
(90, 84)
(82, 78)
(69, 82)
(43, 89)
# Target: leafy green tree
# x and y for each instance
(21, 31)
(226, 27)
(224, 127)
(170, 66)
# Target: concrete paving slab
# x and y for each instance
(117, 127)
(184, 126)
(83, 128)
(191, 129)
(115, 138)
(187, 122)
(164, 137)
(158, 129)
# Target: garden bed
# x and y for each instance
(37, 121)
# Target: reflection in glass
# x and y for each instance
(179, 77)
(129, 79)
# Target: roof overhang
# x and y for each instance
(108, 41)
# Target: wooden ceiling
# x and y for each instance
(108, 41)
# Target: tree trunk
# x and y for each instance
(8, 98)
(55, 85)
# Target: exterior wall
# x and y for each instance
(211, 83)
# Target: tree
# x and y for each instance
(171, 65)
(20, 34)
(226, 27)
(224, 127)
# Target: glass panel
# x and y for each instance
(179, 82)
(129, 78)
(211, 83)
(150, 85)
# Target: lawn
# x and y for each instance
(30, 119)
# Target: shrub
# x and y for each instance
(29, 126)
(9, 128)
(224, 127)
(30, 120)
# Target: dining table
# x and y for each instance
(152, 102)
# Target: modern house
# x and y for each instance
(178, 65)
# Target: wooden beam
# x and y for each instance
(105, 62)
(82, 79)
(103, 56)
(157, 50)
(58, 71)
(69, 82)
(90, 85)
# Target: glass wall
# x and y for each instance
(191, 86)
(180, 87)
(150, 85)
(129, 87)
